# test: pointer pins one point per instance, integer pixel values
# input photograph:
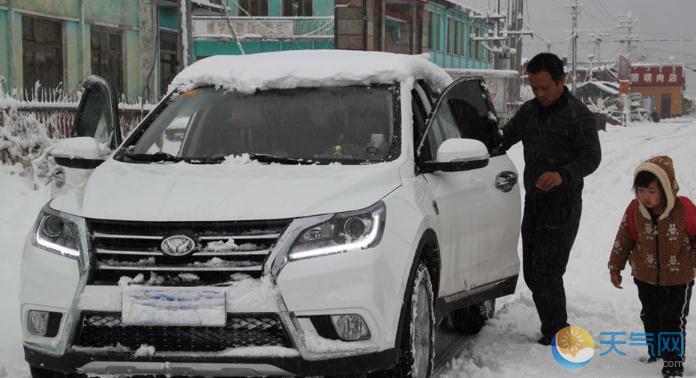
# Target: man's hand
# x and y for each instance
(615, 279)
(549, 180)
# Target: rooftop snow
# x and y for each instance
(308, 68)
(607, 87)
(656, 64)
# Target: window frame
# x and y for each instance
(31, 70)
(253, 8)
(109, 60)
(306, 8)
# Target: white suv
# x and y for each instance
(294, 213)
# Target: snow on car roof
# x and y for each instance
(308, 68)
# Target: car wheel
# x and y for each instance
(417, 354)
(472, 318)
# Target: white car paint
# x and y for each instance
(476, 225)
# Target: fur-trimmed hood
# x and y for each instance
(663, 168)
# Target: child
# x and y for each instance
(658, 238)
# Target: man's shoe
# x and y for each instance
(545, 340)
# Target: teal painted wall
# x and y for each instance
(275, 7)
(63, 8)
(4, 42)
(73, 64)
(86, 57)
(323, 7)
(121, 12)
(168, 18)
(441, 56)
(210, 47)
(15, 45)
(132, 62)
(76, 47)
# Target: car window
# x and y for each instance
(350, 125)
(93, 120)
(474, 117)
(443, 127)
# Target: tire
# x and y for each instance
(472, 318)
(417, 355)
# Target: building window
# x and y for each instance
(435, 28)
(107, 56)
(253, 7)
(169, 62)
(450, 37)
(457, 40)
(42, 50)
(472, 43)
(475, 46)
(295, 8)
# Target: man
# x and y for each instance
(561, 146)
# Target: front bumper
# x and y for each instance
(207, 364)
(368, 283)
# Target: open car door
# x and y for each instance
(94, 135)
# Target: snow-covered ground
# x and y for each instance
(505, 347)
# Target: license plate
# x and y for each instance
(173, 307)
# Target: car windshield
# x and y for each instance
(349, 125)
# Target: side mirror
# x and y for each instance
(456, 155)
(79, 152)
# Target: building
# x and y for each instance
(441, 28)
(661, 86)
(140, 45)
(254, 26)
(135, 44)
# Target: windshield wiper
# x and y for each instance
(266, 158)
(152, 158)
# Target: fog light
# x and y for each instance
(37, 322)
(43, 323)
(350, 327)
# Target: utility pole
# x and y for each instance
(626, 22)
(507, 35)
(574, 38)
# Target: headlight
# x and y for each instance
(344, 232)
(55, 233)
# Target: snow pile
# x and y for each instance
(242, 159)
(144, 351)
(317, 344)
(307, 68)
(273, 351)
(25, 140)
(118, 348)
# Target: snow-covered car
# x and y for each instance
(320, 213)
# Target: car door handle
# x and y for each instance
(505, 181)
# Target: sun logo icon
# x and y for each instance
(572, 347)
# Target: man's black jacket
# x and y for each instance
(561, 138)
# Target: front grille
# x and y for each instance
(99, 330)
(127, 249)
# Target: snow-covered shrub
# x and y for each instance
(25, 140)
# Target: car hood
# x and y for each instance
(249, 191)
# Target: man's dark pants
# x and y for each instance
(664, 313)
(549, 226)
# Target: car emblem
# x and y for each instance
(178, 245)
